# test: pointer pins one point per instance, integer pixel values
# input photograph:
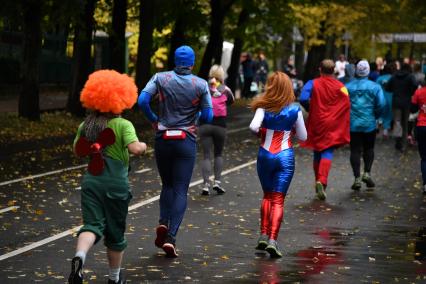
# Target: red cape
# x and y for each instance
(328, 122)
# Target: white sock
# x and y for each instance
(81, 254)
(114, 274)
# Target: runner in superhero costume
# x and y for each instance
(275, 120)
(328, 123)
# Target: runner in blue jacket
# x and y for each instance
(367, 105)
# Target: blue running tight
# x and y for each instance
(175, 162)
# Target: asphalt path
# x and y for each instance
(352, 237)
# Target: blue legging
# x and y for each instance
(421, 141)
(275, 170)
(175, 162)
(325, 154)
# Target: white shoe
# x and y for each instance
(218, 188)
(205, 189)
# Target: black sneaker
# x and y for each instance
(218, 188)
(161, 231)
(366, 178)
(76, 275)
(121, 279)
(262, 242)
(273, 250)
(169, 247)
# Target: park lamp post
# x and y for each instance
(347, 36)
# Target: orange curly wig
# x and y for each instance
(109, 91)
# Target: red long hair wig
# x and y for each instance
(278, 94)
(108, 91)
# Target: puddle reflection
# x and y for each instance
(307, 262)
(315, 259)
(269, 272)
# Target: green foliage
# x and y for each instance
(17, 129)
(362, 19)
(320, 21)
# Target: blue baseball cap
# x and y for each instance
(184, 56)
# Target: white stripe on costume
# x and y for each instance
(268, 139)
(286, 138)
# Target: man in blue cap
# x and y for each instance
(181, 96)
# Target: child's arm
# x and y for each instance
(137, 148)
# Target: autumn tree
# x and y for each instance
(322, 26)
(188, 25)
(117, 36)
(145, 42)
(232, 71)
(82, 63)
(213, 52)
(32, 39)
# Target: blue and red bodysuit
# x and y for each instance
(275, 161)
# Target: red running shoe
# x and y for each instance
(169, 247)
(162, 231)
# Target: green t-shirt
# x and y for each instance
(125, 134)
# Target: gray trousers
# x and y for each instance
(212, 137)
(401, 115)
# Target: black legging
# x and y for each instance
(362, 142)
(246, 88)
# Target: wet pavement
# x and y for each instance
(352, 237)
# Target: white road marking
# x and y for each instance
(82, 166)
(8, 209)
(39, 243)
(133, 207)
(42, 175)
(142, 171)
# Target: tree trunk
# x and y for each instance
(117, 36)
(299, 58)
(177, 39)
(29, 97)
(82, 62)
(232, 71)
(315, 55)
(330, 48)
(214, 46)
(146, 28)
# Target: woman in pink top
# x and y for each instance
(418, 103)
(213, 135)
